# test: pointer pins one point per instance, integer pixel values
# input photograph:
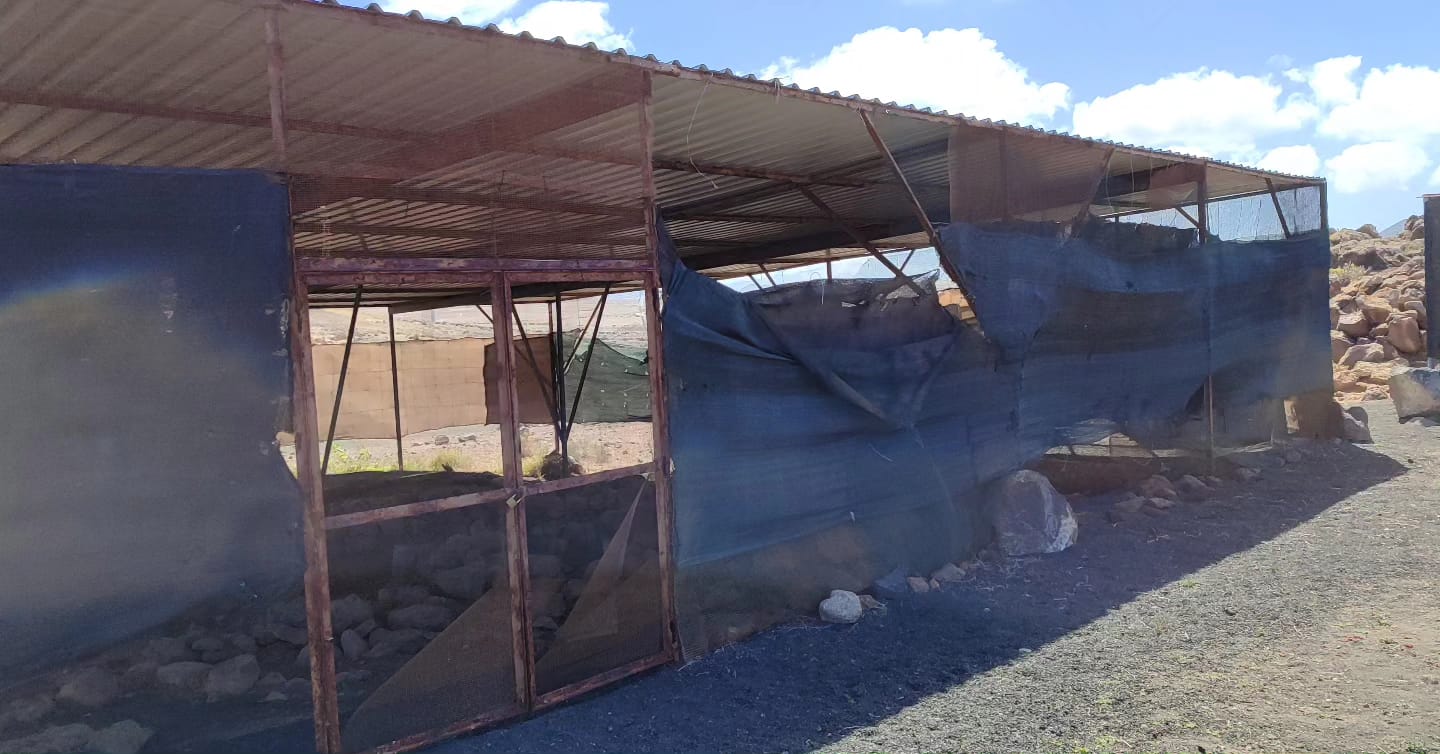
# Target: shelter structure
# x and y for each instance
(185, 181)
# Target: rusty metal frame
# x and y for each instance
(1279, 213)
(840, 223)
(917, 208)
(395, 394)
(499, 275)
(340, 384)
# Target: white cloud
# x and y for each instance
(1213, 112)
(1396, 102)
(1300, 159)
(577, 21)
(960, 70)
(1332, 81)
(1435, 178)
(1377, 165)
(468, 11)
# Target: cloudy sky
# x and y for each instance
(1346, 90)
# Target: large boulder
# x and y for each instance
(1418, 307)
(1339, 344)
(1357, 425)
(1404, 334)
(184, 676)
(351, 610)
(1368, 352)
(1415, 391)
(425, 617)
(91, 687)
(232, 677)
(1414, 229)
(1353, 324)
(1030, 516)
(841, 607)
(124, 737)
(1368, 230)
(1345, 235)
(1157, 486)
(1375, 309)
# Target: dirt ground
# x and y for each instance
(1299, 612)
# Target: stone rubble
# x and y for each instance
(1377, 311)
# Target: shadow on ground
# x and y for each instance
(797, 688)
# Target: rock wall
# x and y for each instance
(1377, 308)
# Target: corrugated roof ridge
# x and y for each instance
(418, 17)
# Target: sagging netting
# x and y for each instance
(827, 432)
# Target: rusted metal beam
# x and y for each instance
(763, 174)
(309, 265)
(564, 694)
(746, 217)
(859, 238)
(821, 241)
(340, 386)
(919, 211)
(313, 192)
(420, 508)
(659, 397)
(517, 546)
(395, 393)
(1279, 213)
(598, 313)
(533, 489)
(198, 115)
(494, 237)
(275, 71)
(766, 273)
(757, 193)
(324, 695)
(899, 174)
(430, 738)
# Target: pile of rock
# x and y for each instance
(1378, 320)
(1157, 494)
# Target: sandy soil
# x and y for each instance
(1299, 612)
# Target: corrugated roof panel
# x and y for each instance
(417, 104)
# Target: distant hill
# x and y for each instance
(1394, 230)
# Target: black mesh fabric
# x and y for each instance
(831, 431)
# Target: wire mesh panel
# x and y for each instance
(421, 613)
(594, 580)
(583, 383)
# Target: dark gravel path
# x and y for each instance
(1297, 612)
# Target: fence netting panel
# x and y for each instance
(856, 421)
(421, 613)
(594, 580)
(150, 559)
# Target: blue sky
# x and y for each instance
(1350, 91)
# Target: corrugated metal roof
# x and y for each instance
(779, 85)
(412, 136)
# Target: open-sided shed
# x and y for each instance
(427, 164)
